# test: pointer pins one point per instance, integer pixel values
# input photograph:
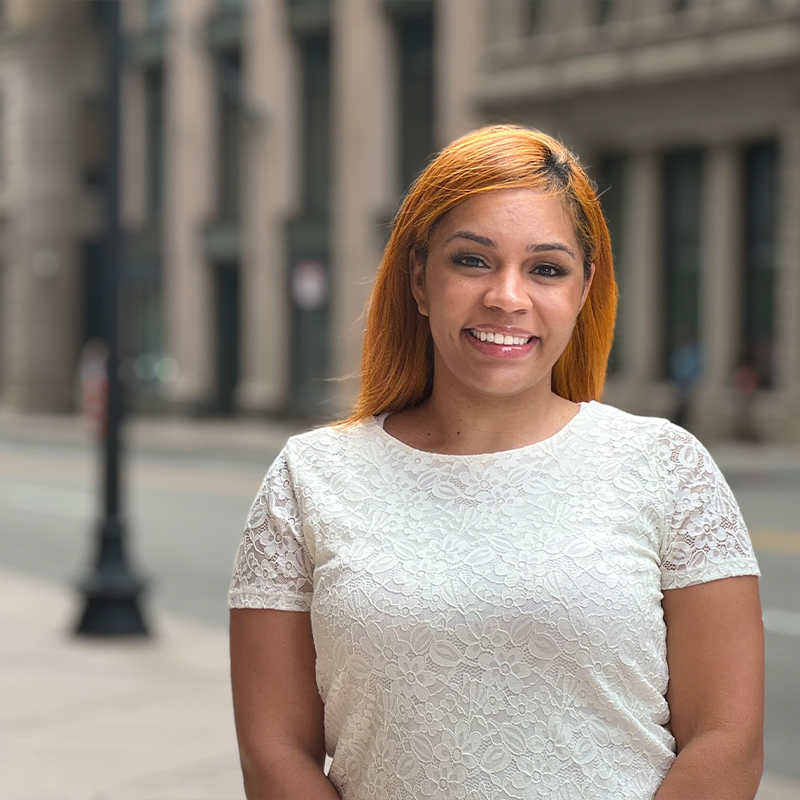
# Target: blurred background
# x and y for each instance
(265, 146)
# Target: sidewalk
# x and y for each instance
(88, 719)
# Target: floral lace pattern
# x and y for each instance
(490, 626)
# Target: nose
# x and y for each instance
(507, 292)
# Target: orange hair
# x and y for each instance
(397, 359)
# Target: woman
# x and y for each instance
(485, 583)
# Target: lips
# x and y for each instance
(519, 344)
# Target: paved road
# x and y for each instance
(185, 518)
(771, 506)
(186, 513)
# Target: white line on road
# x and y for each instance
(779, 620)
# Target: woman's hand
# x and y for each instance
(278, 710)
(715, 652)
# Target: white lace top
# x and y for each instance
(490, 626)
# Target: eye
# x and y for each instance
(549, 270)
(468, 260)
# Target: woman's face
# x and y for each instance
(502, 287)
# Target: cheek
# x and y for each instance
(560, 310)
(448, 304)
(443, 328)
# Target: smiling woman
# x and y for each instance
(502, 285)
(485, 583)
(397, 366)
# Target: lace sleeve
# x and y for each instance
(704, 536)
(273, 567)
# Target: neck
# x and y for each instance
(464, 423)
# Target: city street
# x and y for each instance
(188, 500)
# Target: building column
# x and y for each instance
(364, 162)
(787, 426)
(459, 41)
(719, 288)
(639, 350)
(188, 202)
(270, 184)
(41, 292)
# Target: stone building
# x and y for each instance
(51, 167)
(267, 144)
(688, 114)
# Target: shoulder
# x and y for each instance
(623, 428)
(667, 444)
(329, 444)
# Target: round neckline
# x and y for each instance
(583, 410)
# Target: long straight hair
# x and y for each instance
(397, 358)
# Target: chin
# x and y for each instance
(504, 389)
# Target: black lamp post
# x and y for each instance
(112, 590)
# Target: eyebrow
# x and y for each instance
(545, 246)
(533, 248)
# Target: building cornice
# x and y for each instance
(574, 62)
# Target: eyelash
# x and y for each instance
(462, 261)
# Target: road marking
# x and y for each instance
(779, 620)
(775, 540)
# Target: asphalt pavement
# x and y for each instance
(139, 719)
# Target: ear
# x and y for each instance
(587, 285)
(416, 271)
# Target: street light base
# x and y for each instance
(111, 593)
(106, 615)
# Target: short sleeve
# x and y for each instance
(273, 568)
(704, 536)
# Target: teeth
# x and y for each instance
(499, 338)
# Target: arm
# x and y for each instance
(278, 710)
(715, 653)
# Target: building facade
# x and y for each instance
(51, 169)
(687, 115)
(266, 146)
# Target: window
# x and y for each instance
(154, 100)
(610, 177)
(229, 163)
(156, 13)
(682, 183)
(316, 69)
(533, 15)
(760, 208)
(308, 237)
(415, 48)
(92, 141)
(604, 11)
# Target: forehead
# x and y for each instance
(512, 213)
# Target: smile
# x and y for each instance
(499, 338)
